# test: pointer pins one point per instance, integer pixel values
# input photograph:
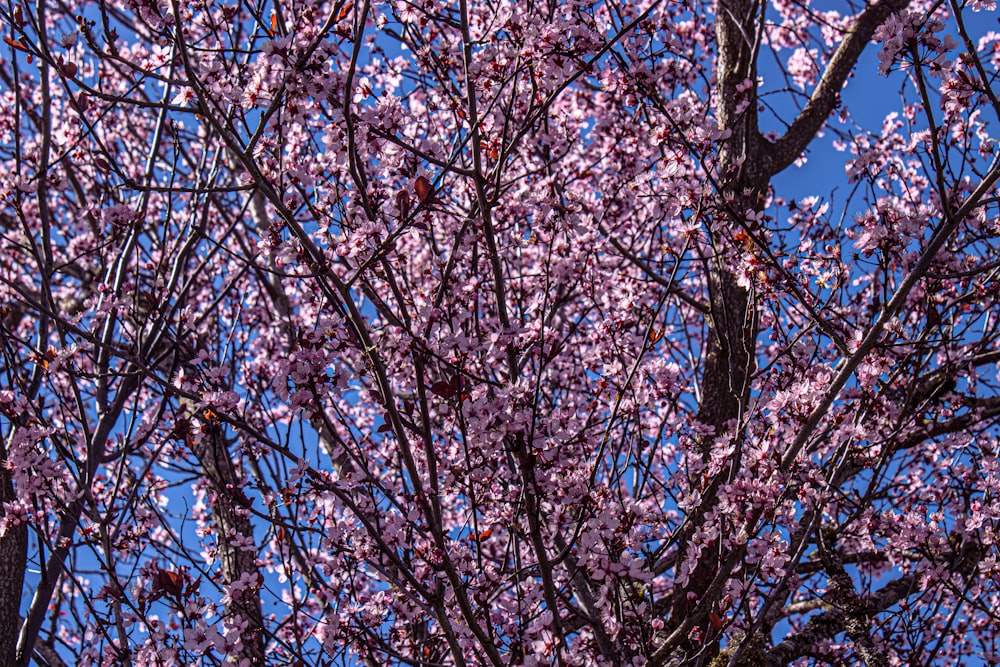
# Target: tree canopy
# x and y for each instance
(499, 333)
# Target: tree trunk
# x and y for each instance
(231, 521)
(13, 562)
(732, 322)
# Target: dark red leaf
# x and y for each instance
(443, 388)
(403, 204)
(424, 189)
(17, 45)
(168, 582)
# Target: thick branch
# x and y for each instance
(68, 523)
(855, 615)
(233, 530)
(826, 95)
(891, 310)
(13, 559)
(963, 561)
(830, 623)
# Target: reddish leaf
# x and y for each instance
(933, 315)
(424, 189)
(168, 582)
(443, 389)
(17, 45)
(403, 204)
(447, 388)
(192, 588)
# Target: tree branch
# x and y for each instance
(830, 623)
(826, 95)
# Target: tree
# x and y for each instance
(497, 334)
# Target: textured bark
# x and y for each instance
(13, 561)
(732, 318)
(742, 182)
(213, 455)
(746, 163)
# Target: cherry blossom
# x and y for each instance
(506, 333)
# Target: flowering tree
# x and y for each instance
(495, 333)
